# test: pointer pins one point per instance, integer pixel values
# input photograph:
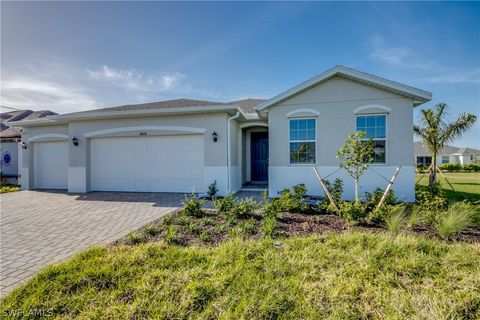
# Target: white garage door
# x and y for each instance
(51, 165)
(148, 164)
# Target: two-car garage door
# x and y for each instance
(147, 164)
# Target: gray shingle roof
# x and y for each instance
(5, 117)
(419, 149)
(247, 105)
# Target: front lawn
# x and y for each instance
(328, 276)
(466, 185)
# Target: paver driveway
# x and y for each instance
(38, 228)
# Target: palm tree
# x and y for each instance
(436, 132)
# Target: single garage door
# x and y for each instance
(148, 164)
(51, 165)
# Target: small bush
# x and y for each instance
(171, 235)
(194, 206)
(456, 219)
(168, 220)
(336, 190)
(150, 230)
(212, 189)
(244, 208)
(248, 227)
(136, 238)
(352, 212)
(225, 205)
(271, 210)
(473, 166)
(291, 200)
(373, 199)
(269, 227)
(452, 167)
(430, 200)
(396, 219)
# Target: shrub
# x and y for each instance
(473, 166)
(225, 204)
(352, 212)
(396, 219)
(430, 200)
(451, 167)
(150, 230)
(136, 238)
(194, 206)
(244, 208)
(271, 210)
(171, 235)
(373, 199)
(456, 219)
(291, 200)
(269, 227)
(212, 189)
(336, 190)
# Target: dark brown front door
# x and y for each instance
(259, 154)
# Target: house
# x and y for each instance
(10, 138)
(448, 154)
(185, 145)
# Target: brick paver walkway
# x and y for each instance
(38, 228)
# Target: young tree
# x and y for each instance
(436, 132)
(355, 156)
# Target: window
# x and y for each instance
(424, 161)
(445, 159)
(375, 127)
(303, 134)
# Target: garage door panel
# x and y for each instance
(51, 165)
(148, 164)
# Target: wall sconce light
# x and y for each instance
(23, 145)
(75, 141)
(215, 136)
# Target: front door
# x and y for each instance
(259, 153)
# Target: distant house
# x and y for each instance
(10, 141)
(448, 154)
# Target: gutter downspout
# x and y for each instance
(229, 160)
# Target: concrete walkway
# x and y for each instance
(38, 228)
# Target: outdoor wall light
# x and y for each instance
(215, 136)
(23, 145)
(75, 141)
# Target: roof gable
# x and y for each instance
(417, 95)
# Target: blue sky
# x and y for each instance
(71, 56)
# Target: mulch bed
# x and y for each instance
(214, 228)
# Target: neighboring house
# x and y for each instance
(448, 154)
(10, 138)
(185, 145)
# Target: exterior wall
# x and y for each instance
(11, 169)
(215, 157)
(334, 104)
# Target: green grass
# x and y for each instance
(333, 276)
(467, 185)
(9, 188)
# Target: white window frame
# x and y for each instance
(377, 139)
(314, 141)
(448, 159)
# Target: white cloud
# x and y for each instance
(136, 80)
(466, 76)
(67, 88)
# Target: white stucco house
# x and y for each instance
(448, 154)
(185, 145)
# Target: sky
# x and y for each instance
(73, 56)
